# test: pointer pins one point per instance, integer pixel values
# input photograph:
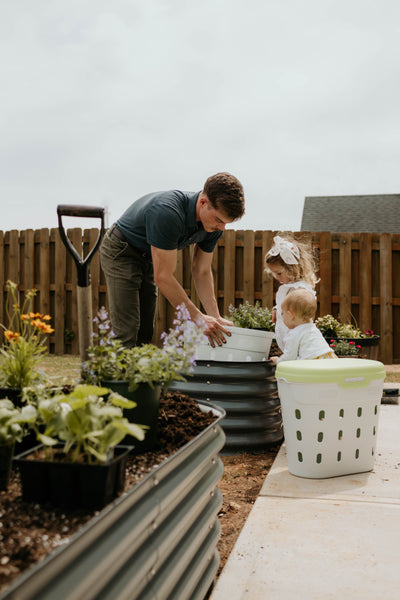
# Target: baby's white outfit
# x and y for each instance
(305, 342)
(281, 331)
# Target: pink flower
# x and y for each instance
(351, 343)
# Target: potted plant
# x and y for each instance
(79, 462)
(24, 343)
(250, 337)
(252, 316)
(332, 328)
(12, 420)
(345, 348)
(141, 372)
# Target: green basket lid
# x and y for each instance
(354, 372)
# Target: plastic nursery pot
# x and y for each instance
(6, 455)
(13, 394)
(71, 484)
(147, 400)
(243, 344)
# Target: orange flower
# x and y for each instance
(42, 326)
(11, 335)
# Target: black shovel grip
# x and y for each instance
(75, 210)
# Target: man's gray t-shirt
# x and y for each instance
(166, 220)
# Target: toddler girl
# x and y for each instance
(292, 264)
(304, 340)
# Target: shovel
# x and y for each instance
(84, 292)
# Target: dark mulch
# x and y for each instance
(29, 532)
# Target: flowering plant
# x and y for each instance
(331, 327)
(109, 360)
(252, 316)
(24, 344)
(368, 333)
(345, 348)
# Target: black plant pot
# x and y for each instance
(71, 484)
(147, 400)
(6, 455)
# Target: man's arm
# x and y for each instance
(164, 265)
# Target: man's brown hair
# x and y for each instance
(225, 193)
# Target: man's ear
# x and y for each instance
(203, 199)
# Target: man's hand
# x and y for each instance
(216, 329)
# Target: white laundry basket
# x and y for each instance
(330, 412)
(243, 345)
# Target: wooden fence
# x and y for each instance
(357, 272)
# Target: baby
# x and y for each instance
(304, 340)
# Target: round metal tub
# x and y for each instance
(248, 393)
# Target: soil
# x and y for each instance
(29, 532)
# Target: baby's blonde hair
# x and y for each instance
(301, 302)
(304, 270)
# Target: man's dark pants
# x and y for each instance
(132, 293)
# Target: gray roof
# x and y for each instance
(375, 214)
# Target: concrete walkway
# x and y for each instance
(323, 539)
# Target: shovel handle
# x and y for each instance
(74, 210)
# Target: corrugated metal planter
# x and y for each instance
(158, 541)
(248, 393)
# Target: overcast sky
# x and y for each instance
(102, 102)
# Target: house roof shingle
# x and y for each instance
(354, 214)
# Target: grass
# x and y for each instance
(61, 369)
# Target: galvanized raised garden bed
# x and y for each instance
(158, 541)
(247, 392)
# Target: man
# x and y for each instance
(139, 254)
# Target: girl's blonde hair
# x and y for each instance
(304, 270)
(302, 303)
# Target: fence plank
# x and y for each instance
(13, 264)
(267, 289)
(194, 297)
(229, 241)
(248, 266)
(28, 242)
(325, 273)
(386, 342)
(365, 312)
(60, 267)
(344, 279)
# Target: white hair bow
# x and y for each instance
(288, 252)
